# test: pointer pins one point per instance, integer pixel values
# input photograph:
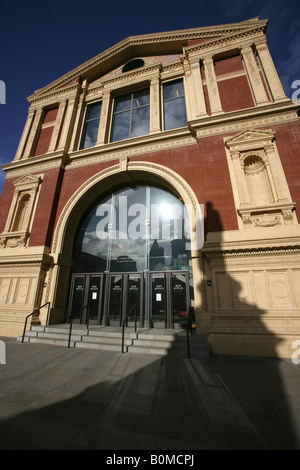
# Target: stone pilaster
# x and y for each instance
(212, 86)
(270, 72)
(254, 77)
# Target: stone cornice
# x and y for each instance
(164, 39)
(140, 74)
(35, 164)
(56, 95)
(25, 256)
(236, 121)
(209, 47)
(132, 147)
(205, 127)
(246, 243)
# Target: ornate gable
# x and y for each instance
(250, 139)
(150, 45)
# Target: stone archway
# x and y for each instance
(99, 184)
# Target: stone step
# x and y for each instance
(53, 341)
(98, 346)
(103, 333)
(105, 340)
(144, 341)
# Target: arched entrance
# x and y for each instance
(132, 248)
(136, 266)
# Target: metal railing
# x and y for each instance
(76, 316)
(32, 313)
(189, 328)
(126, 320)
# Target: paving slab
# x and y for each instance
(55, 398)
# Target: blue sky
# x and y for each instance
(40, 41)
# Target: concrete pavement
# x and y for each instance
(55, 398)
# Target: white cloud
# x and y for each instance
(289, 69)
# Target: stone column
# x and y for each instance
(276, 177)
(253, 73)
(104, 121)
(195, 90)
(240, 179)
(155, 104)
(25, 134)
(33, 133)
(67, 128)
(212, 86)
(78, 118)
(270, 72)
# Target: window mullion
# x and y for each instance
(130, 121)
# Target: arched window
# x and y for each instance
(133, 64)
(134, 229)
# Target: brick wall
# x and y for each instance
(235, 94)
(228, 65)
(5, 201)
(287, 138)
(45, 134)
(203, 166)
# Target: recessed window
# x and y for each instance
(133, 64)
(131, 117)
(91, 125)
(174, 105)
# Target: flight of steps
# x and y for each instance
(144, 341)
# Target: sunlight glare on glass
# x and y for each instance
(166, 210)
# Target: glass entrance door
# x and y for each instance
(166, 302)
(86, 290)
(94, 297)
(169, 298)
(124, 291)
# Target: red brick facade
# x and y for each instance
(236, 153)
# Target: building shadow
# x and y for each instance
(54, 398)
(88, 400)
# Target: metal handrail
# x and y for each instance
(75, 316)
(32, 313)
(189, 327)
(125, 320)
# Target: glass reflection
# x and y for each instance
(91, 125)
(131, 116)
(174, 105)
(133, 230)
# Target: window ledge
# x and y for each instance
(137, 145)
(269, 215)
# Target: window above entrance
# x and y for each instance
(131, 117)
(152, 107)
(133, 230)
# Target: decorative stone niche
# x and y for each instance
(261, 193)
(17, 228)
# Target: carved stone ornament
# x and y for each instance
(13, 240)
(267, 220)
(267, 216)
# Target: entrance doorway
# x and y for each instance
(124, 291)
(137, 239)
(169, 298)
(86, 289)
(162, 298)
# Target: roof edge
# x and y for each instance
(174, 35)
